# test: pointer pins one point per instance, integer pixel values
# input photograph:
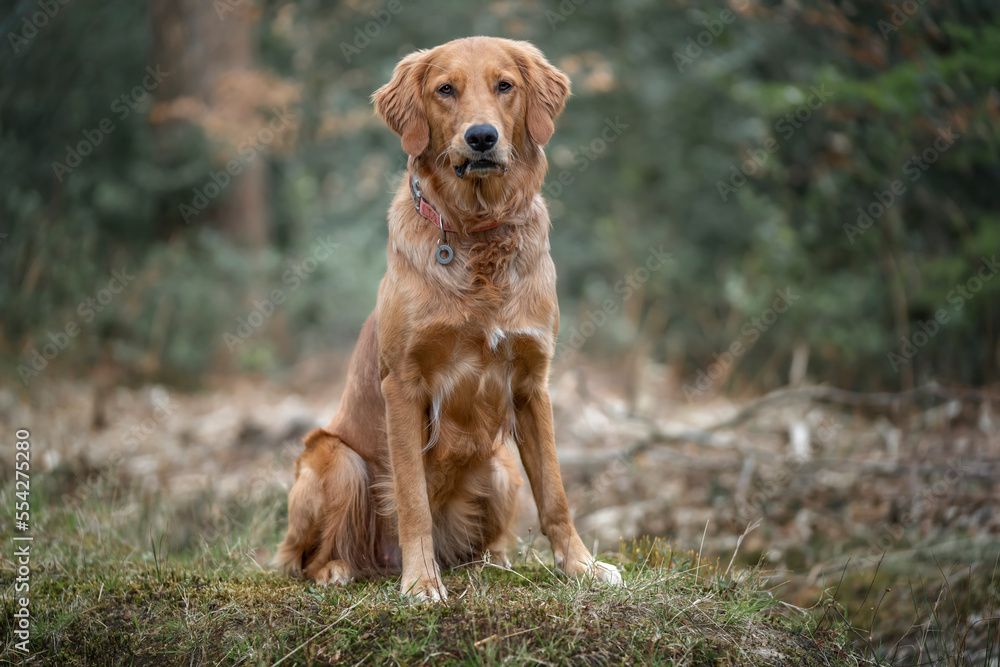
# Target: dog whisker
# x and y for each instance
(442, 155)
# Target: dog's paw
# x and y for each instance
(589, 567)
(605, 573)
(336, 572)
(424, 589)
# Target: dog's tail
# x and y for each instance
(329, 510)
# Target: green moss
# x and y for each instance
(101, 594)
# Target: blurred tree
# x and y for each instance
(209, 50)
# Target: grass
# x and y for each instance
(915, 611)
(123, 578)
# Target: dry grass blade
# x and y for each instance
(346, 613)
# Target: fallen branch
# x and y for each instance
(824, 394)
(709, 437)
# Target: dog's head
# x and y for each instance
(474, 104)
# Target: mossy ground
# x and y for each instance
(524, 616)
(122, 579)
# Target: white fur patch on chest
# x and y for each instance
(496, 335)
(471, 395)
(460, 373)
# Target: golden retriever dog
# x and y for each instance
(415, 471)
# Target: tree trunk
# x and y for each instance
(208, 50)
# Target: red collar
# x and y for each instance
(426, 210)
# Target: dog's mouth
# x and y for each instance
(478, 166)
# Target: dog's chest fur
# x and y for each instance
(474, 371)
(474, 386)
(481, 332)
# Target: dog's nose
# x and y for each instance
(481, 137)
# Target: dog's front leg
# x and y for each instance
(404, 422)
(537, 445)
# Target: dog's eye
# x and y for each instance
(446, 89)
(504, 86)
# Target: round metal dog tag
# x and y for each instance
(444, 253)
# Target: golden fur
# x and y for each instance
(415, 471)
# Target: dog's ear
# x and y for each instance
(400, 103)
(548, 89)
